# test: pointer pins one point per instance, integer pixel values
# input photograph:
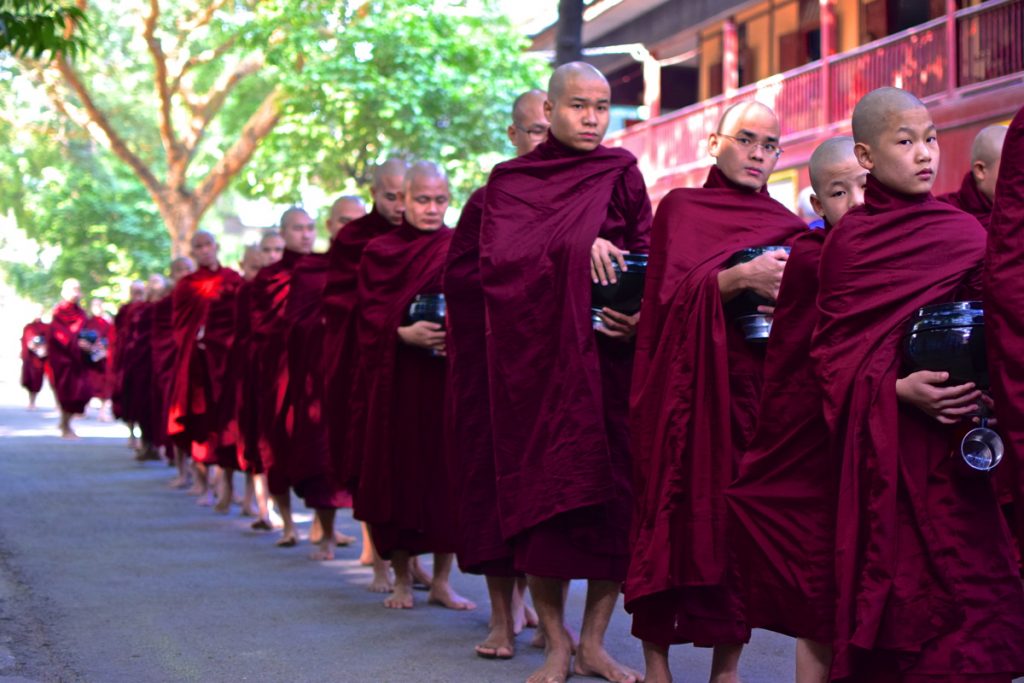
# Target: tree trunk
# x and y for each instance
(181, 216)
(569, 42)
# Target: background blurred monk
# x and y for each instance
(696, 391)
(481, 547)
(558, 390)
(100, 327)
(979, 184)
(124, 320)
(33, 358)
(69, 356)
(784, 496)
(927, 587)
(135, 356)
(164, 352)
(344, 210)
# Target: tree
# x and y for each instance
(569, 40)
(34, 28)
(186, 93)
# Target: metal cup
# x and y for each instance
(982, 448)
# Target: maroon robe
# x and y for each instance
(241, 414)
(970, 199)
(99, 369)
(270, 341)
(783, 500)
(204, 331)
(404, 489)
(693, 411)
(123, 323)
(135, 361)
(68, 362)
(557, 393)
(310, 466)
(1004, 320)
(163, 354)
(33, 365)
(340, 347)
(925, 577)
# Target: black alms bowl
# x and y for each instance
(755, 326)
(949, 338)
(626, 294)
(429, 307)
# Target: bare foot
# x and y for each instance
(366, 559)
(524, 618)
(420, 577)
(540, 642)
(196, 490)
(590, 662)
(342, 540)
(288, 540)
(556, 665)
(261, 525)
(443, 595)
(133, 443)
(247, 511)
(68, 434)
(400, 599)
(205, 499)
(222, 507)
(322, 554)
(381, 583)
(178, 483)
(499, 644)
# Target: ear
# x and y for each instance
(863, 153)
(817, 205)
(548, 108)
(979, 171)
(512, 134)
(714, 144)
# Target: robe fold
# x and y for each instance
(100, 378)
(242, 416)
(163, 354)
(310, 468)
(696, 388)
(783, 499)
(33, 365)
(481, 548)
(270, 351)
(1004, 319)
(404, 489)
(135, 361)
(970, 199)
(69, 364)
(123, 323)
(340, 347)
(925, 578)
(557, 393)
(203, 305)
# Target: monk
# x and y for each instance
(1004, 336)
(696, 390)
(557, 387)
(340, 347)
(135, 357)
(926, 583)
(69, 356)
(204, 334)
(100, 331)
(270, 334)
(783, 499)
(404, 488)
(481, 549)
(979, 184)
(344, 210)
(164, 352)
(123, 323)
(33, 358)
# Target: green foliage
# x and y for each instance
(33, 28)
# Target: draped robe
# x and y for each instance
(783, 499)
(404, 488)
(135, 362)
(163, 353)
(33, 366)
(925, 577)
(100, 378)
(241, 414)
(124, 320)
(970, 199)
(696, 388)
(69, 364)
(558, 390)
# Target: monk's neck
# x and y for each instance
(719, 181)
(879, 197)
(553, 147)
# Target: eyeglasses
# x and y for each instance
(749, 144)
(535, 132)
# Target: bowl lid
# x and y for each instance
(947, 315)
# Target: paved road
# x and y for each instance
(106, 575)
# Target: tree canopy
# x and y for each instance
(34, 28)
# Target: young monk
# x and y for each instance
(926, 585)
(979, 184)
(344, 210)
(696, 391)
(783, 499)
(557, 388)
(482, 550)
(69, 356)
(33, 358)
(404, 490)
(204, 332)
(340, 346)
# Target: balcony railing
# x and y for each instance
(975, 48)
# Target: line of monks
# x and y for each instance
(806, 486)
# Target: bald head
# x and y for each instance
(426, 196)
(830, 154)
(736, 115)
(298, 230)
(271, 248)
(180, 267)
(71, 290)
(530, 124)
(156, 287)
(252, 261)
(137, 290)
(837, 178)
(880, 110)
(388, 179)
(578, 105)
(204, 249)
(745, 145)
(568, 76)
(895, 140)
(986, 153)
(344, 210)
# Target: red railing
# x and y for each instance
(989, 45)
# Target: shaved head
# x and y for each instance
(745, 145)
(530, 124)
(525, 104)
(877, 111)
(426, 196)
(424, 170)
(344, 210)
(252, 261)
(204, 249)
(573, 73)
(390, 168)
(180, 267)
(988, 144)
(271, 247)
(388, 200)
(200, 235)
(137, 290)
(833, 152)
(735, 114)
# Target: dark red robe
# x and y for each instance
(558, 391)
(135, 360)
(404, 489)
(1004, 320)
(100, 377)
(783, 500)
(123, 322)
(204, 332)
(970, 199)
(33, 366)
(270, 351)
(925, 576)
(242, 417)
(164, 350)
(694, 404)
(340, 348)
(68, 362)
